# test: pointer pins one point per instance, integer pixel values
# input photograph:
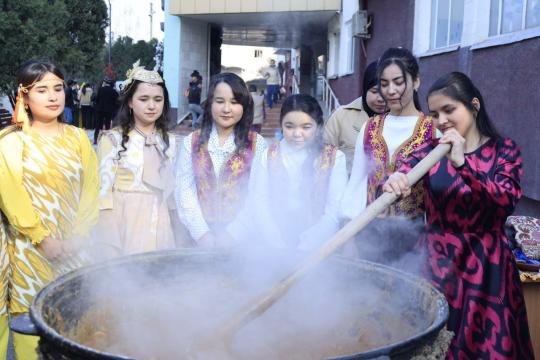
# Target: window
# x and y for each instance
(333, 59)
(350, 47)
(508, 16)
(446, 23)
(258, 53)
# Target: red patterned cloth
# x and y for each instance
(385, 163)
(469, 258)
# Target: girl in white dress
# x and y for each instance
(296, 185)
(215, 161)
(136, 169)
(383, 143)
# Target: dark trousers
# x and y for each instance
(76, 116)
(87, 115)
(103, 119)
(271, 94)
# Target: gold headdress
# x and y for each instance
(140, 73)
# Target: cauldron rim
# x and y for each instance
(44, 330)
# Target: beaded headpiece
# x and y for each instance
(138, 72)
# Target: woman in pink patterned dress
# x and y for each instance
(468, 196)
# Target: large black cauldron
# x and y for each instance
(60, 308)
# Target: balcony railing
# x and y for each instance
(329, 98)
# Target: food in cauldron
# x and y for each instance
(161, 305)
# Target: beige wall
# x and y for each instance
(191, 7)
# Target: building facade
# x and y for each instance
(195, 31)
(495, 42)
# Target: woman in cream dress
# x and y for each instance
(136, 169)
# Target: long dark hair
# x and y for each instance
(33, 71)
(405, 60)
(370, 80)
(242, 96)
(308, 105)
(87, 86)
(459, 87)
(126, 120)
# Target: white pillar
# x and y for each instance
(171, 57)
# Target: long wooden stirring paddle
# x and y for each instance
(260, 304)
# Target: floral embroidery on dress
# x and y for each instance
(385, 164)
(222, 197)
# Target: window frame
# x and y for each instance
(475, 33)
(434, 28)
(500, 19)
(351, 48)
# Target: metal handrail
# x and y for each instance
(185, 116)
(329, 97)
(295, 87)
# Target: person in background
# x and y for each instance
(69, 103)
(193, 93)
(281, 70)
(468, 196)
(76, 103)
(105, 106)
(5, 113)
(215, 161)
(259, 111)
(296, 185)
(85, 99)
(344, 124)
(271, 74)
(49, 196)
(136, 169)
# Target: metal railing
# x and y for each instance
(187, 114)
(329, 98)
(295, 87)
(183, 117)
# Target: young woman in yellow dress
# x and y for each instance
(48, 196)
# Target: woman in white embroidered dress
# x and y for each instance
(384, 141)
(296, 185)
(136, 169)
(382, 137)
(215, 161)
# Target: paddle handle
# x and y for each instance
(258, 307)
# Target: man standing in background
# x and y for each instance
(105, 106)
(271, 74)
(70, 103)
(193, 93)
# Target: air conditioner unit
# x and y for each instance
(360, 24)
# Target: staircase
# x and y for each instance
(271, 123)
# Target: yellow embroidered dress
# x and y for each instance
(49, 188)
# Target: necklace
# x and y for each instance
(143, 133)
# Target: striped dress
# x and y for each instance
(59, 176)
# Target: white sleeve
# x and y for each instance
(260, 146)
(328, 224)
(355, 195)
(187, 200)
